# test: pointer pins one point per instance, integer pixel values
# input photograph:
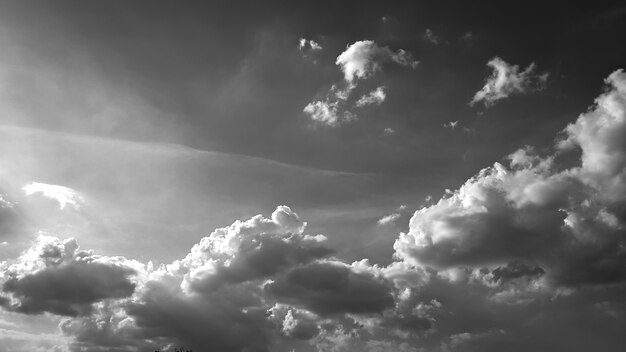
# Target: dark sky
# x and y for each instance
(431, 176)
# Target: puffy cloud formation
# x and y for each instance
(54, 276)
(507, 80)
(375, 97)
(250, 286)
(327, 113)
(496, 265)
(61, 194)
(363, 58)
(359, 61)
(564, 221)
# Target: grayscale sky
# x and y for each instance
(312, 176)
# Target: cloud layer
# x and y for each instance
(496, 264)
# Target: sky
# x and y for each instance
(316, 176)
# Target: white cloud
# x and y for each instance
(63, 195)
(363, 58)
(327, 113)
(506, 80)
(389, 130)
(54, 276)
(308, 44)
(389, 219)
(375, 97)
(535, 210)
(359, 61)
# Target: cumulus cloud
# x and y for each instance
(247, 286)
(327, 113)
(375, 97)
(359, 61)
(308, 44)
(61, 194)
(55, 276)
(363, 58)
(566, 221)
(492, 265)
(507, 80)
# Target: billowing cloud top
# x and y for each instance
(567, 220)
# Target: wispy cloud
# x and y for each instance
(375, 97)
(507, 80)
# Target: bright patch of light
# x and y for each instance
(63, 195)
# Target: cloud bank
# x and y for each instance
(498, 264)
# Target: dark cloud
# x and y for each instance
(329, 287)
(69, 289)
(53, 276)
(514, 270)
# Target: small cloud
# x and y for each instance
(63, 195)
(389, 131)
(375, 97)
(431, 37)
(451, 124)
(363, 58)
(389, 219)
(359, 61)
(506, 80)
(327, 113)
(308, 45)
(468, 38)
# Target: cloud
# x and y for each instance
(247, 286)
(506, 80)
(496, 263)
(331, 287)
(359, 61)
(389, 219)
(451, 124)
(565, 220)
(308, 44)
(255, 249)
(63, 195)
(431, 37)
(375, 97)
(54, 276)
(327, 113)
(363, 58)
